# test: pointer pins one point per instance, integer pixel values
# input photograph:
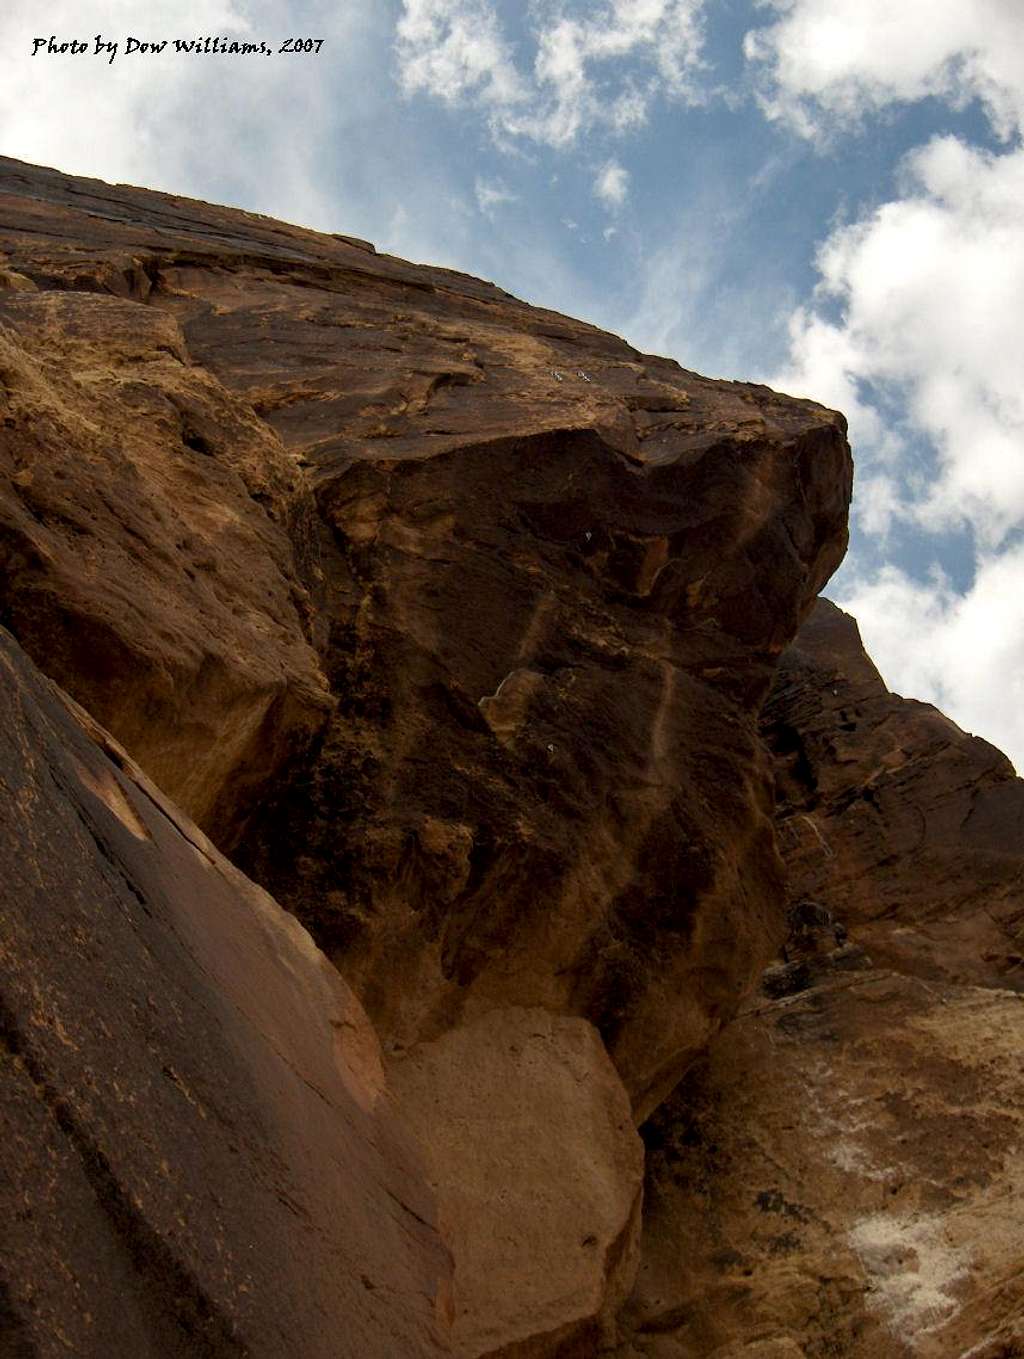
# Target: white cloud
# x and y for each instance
(916, 332)
(182, 122)
(931, 289)
(964, 653)
(454, 48)
(599, 69)
(490, 194)
(830, 62)
(612, 185)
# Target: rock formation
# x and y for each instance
(450, 619)
(466, 631)
(840, 1173)
(200, 1155)
(548, 581)
(906, 827)
(532, 1151)
(144, 548)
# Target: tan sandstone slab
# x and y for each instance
(538, 1170)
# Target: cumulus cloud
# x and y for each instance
(601, 67)
(612, 185)
(964, 653)
(916, 333)
(931, 289)
(829, 62)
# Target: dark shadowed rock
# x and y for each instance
(199, 1153)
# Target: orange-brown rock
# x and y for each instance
(538, 1171)
(556, 576)
(841, 1176)
(841, 1173)
(909, 830)
(144, 555)
(198, 1152)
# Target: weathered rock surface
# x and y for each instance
(842, 1176)
(144, 558)
(907, 828)
(198, 1152)
(554, 577)
(842, 1173)
(453, 619)
(538, 1170)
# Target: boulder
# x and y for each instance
(538, 1170)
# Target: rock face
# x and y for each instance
(199, 1152)
(469, 631)
(538, 1171)
(840, 1174)
(549, 581)
(144, 558)
(907, 828)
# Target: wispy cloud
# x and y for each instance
(602, 68)
(455, 49)
(491, 194)
(612, 185)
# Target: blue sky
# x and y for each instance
(827, 195)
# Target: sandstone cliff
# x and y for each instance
(453, 623)
(547, 582)
(844, 1162)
